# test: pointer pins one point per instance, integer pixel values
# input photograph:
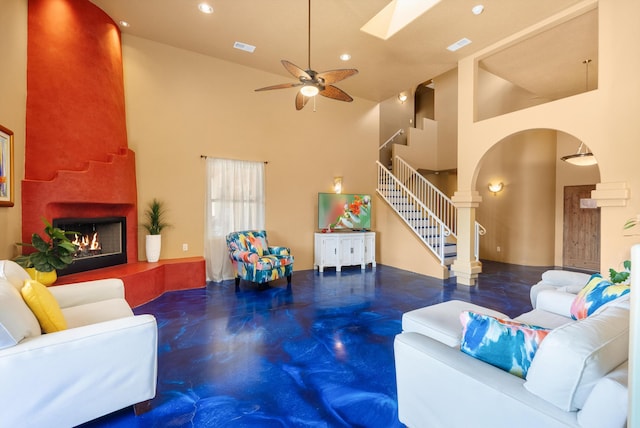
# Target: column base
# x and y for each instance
(466, 272)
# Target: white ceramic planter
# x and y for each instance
(152, 247)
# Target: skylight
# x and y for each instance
(395, 16)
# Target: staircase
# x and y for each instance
(425, 209)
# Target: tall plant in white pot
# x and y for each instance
(154, 222)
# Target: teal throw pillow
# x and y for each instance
(506, 344)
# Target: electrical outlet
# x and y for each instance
(185, 247)
(498, 249)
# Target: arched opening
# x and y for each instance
(526, 220)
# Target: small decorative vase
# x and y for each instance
(152, 247)
(44, 278)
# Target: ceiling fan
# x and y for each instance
(312, 82)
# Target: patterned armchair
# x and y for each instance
(254, 260)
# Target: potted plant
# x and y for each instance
(621, 277)
(53, 252)
(630, 224)
(154, 222)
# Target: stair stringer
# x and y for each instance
(406, 250)
(427, 227)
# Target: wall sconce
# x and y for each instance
(337, 184)
(496, 187)
(402, 98)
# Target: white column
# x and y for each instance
(465, 267)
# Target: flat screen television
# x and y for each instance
(344, 211)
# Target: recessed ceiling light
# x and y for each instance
(345, 57)
(244, 47)
(477, 9)
(125, 23)
(459, 44)
(205, 8)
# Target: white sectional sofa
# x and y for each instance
(105, 360)
(577, 378)
(559, 280)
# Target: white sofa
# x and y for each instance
(105, 360)
(559, 280)
(578, 377)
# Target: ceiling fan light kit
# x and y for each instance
(309, 90)
(312, 82)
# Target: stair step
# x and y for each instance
(423, 228)
(410, 214)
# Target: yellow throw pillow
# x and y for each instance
(44, 306)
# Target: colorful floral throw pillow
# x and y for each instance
(508, 345)
(596, 293)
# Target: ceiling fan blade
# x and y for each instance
(295, 70)
(280, 86)
(335, 93)
(333, 76)
(301, 101)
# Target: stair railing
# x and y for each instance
(431, 198)
(427, 226)
(398, 132)
(480, 231)
(427, 193)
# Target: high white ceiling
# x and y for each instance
(278, 29)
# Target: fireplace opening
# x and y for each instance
(100, 242)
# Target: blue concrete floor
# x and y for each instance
(317, 355)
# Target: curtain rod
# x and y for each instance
(215, 157)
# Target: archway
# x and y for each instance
(524, 221)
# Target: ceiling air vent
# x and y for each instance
(244, 47)
(459, 44)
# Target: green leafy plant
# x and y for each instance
(631, 223)
(51, 253)
(622, 276)
(154, 217)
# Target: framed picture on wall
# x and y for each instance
(6, 167)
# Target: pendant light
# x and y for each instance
(582, 157)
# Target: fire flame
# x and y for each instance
(86, 243)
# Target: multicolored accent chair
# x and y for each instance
(255, 261)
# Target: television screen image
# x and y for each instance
(344, 211)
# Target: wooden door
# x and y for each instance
(581, 237)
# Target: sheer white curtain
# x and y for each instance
(235, 201)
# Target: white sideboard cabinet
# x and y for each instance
(337, 249)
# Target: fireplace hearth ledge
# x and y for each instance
(144, 281)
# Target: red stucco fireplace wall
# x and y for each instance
(77, 161)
